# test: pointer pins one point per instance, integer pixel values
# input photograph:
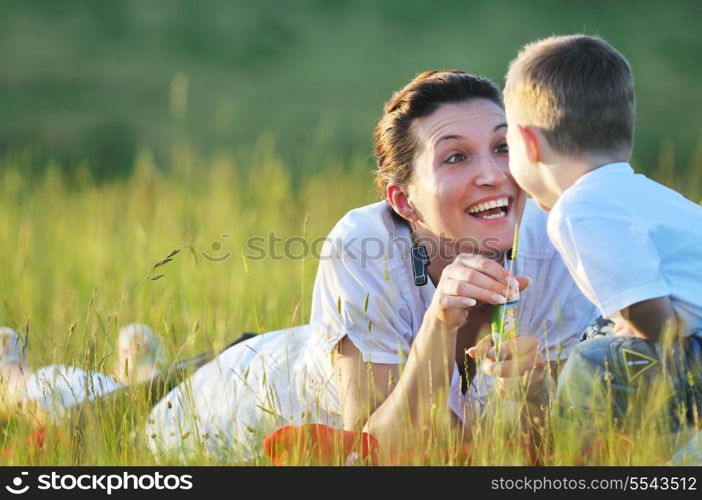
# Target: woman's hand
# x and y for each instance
(469, 279)
(518, 363)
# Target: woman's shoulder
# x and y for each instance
(552, 308)
(372, 232)
(374, 220)
(533, 234)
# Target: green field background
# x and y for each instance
(132, 128)
(84, 79)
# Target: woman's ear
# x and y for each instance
(532, 138)
(399, 200)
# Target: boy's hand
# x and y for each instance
(623, 329)
(520, 362)
(648, 319)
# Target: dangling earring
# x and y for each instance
(420, 260)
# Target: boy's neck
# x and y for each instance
(567, 170)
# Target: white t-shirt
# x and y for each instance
(226, 408)
(365, 289)
(58, 388)
(626, 239)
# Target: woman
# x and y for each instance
(443, 173)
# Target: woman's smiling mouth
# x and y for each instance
(494, 209)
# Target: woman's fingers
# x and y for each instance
(456, 302)
(477, 278)
(450, 286)
(485, 274)
(524, 281)
(480, 349)
(468, 279)
(523, 345)
(484, 265)
(513, 367)
(451, 309)
(512, 358)
(531, 380)
(487, 266)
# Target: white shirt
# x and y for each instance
(365, 289)
(626, 239)
(230, 404)
(58, 388)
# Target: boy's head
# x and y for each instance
(572, 95)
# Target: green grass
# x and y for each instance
(79, 80)
(257, 117)
(77, 255)
(76, 265)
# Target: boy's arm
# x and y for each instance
(648, 319)
(617, 266)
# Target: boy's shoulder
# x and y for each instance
(617, 192)
(602, 185)
(614, 201)
(598, 199)
(610, 192)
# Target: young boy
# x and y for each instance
(633, 246)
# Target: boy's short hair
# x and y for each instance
(579, 90)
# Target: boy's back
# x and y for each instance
(632, 245)
(628, 238)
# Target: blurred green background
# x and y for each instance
(98, 81)
(132, 128)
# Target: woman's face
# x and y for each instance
(461, 186)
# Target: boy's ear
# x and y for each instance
(532, 142)
(399, 200)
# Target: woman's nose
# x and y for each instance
(491, 172)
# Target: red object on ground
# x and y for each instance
(47, 435)
(319, 443)
(37, 440)
(7, 452)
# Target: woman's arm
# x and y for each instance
(390, 403)
(424, 382)
(369, 393)
(362, 386)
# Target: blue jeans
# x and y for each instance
(604, 375)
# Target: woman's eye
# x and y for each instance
(502, 148)
(455, 158)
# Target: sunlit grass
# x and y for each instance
(76, 264)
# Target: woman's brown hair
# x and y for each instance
(394, 143)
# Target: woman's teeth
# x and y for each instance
(502, 202)
(493, 216)
(495, 209)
